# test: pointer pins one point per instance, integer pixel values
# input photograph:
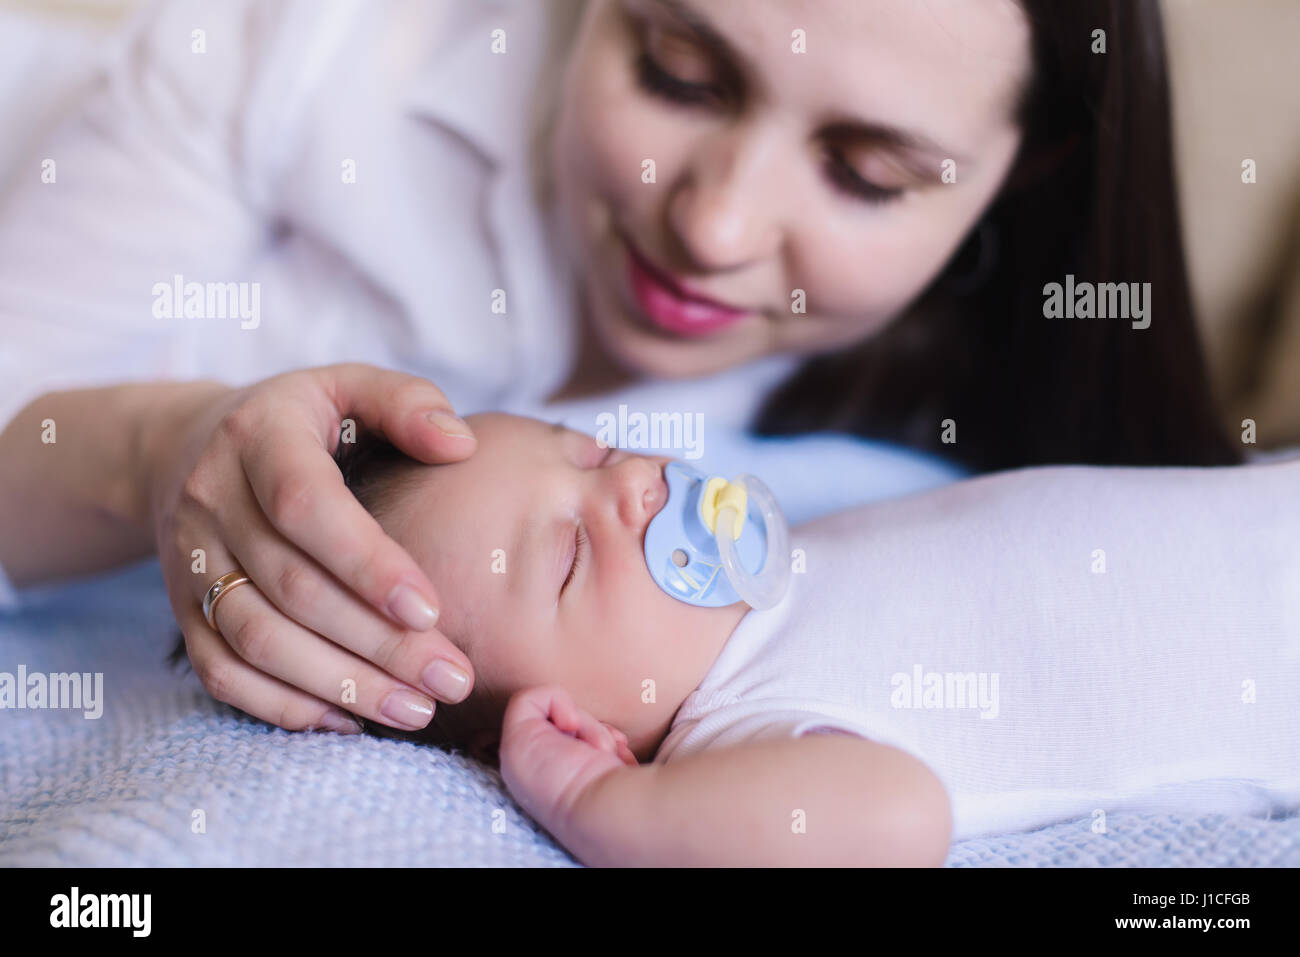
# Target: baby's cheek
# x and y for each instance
(518, 655)
(630, 624)
(662, 627)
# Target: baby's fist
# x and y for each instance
(552, 751)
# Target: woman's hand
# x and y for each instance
(340, 615)
(551, 751)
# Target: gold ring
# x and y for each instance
(219, 589)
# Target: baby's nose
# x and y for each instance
(642, 491)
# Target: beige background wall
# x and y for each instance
(1236, 76)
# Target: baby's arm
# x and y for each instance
(821, 800)
(817, 800)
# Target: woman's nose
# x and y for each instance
(639, 490)
(725, 213)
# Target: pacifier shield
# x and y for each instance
(682, 554)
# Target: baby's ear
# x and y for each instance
(483, 745)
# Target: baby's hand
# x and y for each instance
(552, 751)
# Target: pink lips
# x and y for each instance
(669, 309)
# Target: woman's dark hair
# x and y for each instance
(1092, 193)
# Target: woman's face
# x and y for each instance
(776, 171)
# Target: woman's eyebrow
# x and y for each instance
(696, 22)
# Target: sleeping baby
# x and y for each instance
(985, 657)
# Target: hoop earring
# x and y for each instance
(985, 238)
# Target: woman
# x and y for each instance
(879, 190)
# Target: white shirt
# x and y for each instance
(1162, 675)
(228, 166)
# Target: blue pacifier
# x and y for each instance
(716, 542)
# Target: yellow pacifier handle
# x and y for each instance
(718, 494)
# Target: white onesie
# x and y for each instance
(1052, 645)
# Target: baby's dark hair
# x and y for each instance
(376, 472)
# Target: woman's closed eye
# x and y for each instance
(841, 172)
(655, 79)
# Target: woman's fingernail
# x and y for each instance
(447, 682)
(410, 608)
(450, 424)
(340, 722)
(407, 708)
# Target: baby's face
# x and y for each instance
(536, 545)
